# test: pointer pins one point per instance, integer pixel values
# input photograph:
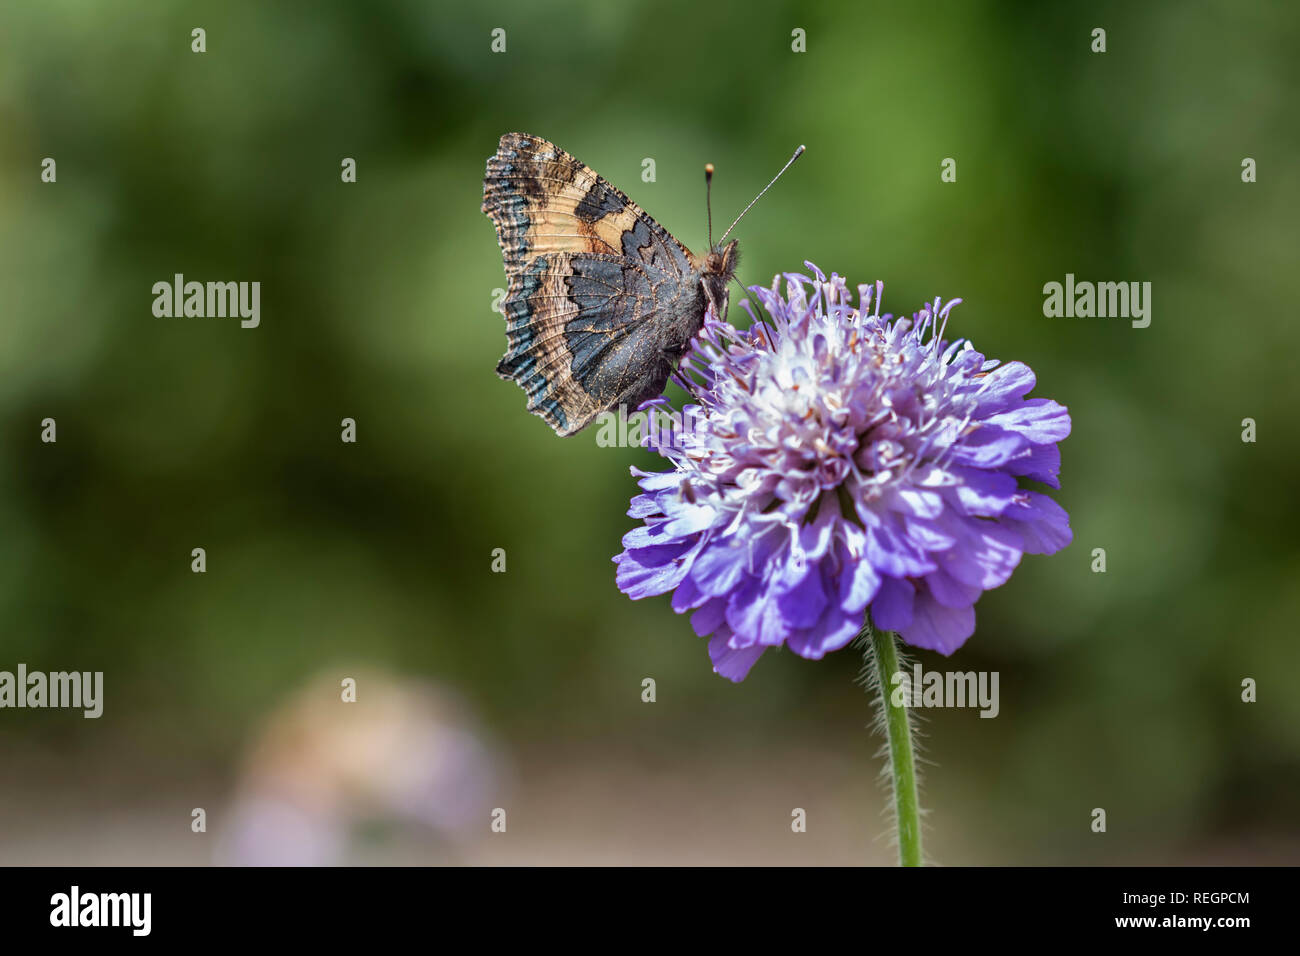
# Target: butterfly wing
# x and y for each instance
(587, 333)
(602, 298)
(543, 201)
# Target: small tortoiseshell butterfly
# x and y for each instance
(603, 301)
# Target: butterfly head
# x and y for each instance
(719, 266)
(719, 269)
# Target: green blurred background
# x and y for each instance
(1119, 690)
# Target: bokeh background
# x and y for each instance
(373, 560)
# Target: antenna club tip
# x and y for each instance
(708, 169)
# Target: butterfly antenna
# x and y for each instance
(797, 153)
(708, 198)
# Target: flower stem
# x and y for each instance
(902, 759)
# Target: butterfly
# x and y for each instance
(602, 301)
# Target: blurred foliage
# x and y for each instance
(1118, 690)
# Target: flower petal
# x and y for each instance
(1042, 523)
(720, 567)
(711, 615)
(1041, 420)
(890, 551)
(1003, 386)
(936, 627)
(950, 592)
(986, 555)
(833, 631)
(989, 446)
(649, 571)
(859, 584)
(1043, 463)
(687, 596)
(802, 605)
(732, 663)
(984, 493)
(892, 608)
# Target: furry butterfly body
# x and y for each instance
(602, 301)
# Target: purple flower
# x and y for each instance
(839, 460)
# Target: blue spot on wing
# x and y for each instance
(520, 363)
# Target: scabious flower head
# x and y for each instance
(837, 460)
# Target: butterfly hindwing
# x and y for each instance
(602, 299)
(587, 333)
